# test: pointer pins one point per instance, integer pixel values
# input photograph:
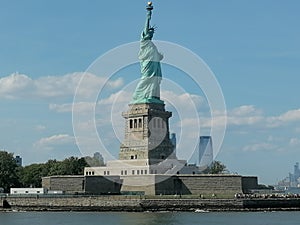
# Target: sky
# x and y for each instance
(252, 48)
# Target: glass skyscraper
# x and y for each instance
(205, 157)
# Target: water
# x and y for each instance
(167, 218)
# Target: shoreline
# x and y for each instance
(141, 204)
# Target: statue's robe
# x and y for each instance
(148, 88)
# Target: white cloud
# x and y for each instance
(249, 120)
(294, 142)
(285, 118)
(119, 97)
(14, 85)
(248, 115)
(245, 110)
(244, 115)
(40, 127)
(184, 100)
(114, 101)
(19, 86)
(290, 116)
(59, 146)
(240, 116)
(80, 107)
(54, 141)
(60, 108)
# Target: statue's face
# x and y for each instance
(151, 33)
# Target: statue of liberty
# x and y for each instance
(148, 88)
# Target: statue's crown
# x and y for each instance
(153, 28)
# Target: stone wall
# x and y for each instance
(68, 184)
(139, 184)
(102, 185)
(121, 203)
(271, 203)
(211, 184)
(138, 203)
(79, 203)
(166, 185)
(249, 183)
(222, 185)
(225, 185)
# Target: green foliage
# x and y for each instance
(216, 168)
(8, 171)
(31, 176)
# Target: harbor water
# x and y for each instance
(149, 218)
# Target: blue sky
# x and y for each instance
(252, 47)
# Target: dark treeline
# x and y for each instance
(12, 175)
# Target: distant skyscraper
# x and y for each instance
(18, 160)
(98, 156)
(205, 151)
(293, 180)
(173, 141)
(296, 171)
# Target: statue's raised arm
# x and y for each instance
(147, 24)
(148, 30)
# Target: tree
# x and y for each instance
(216, 168)
(73, 166)
(8, 171)
(31, 176)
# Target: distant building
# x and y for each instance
(18, 160)
(205, 157)
(294, 177)
(173, 141)
(293, 180)
(297, 171)
(98, 156)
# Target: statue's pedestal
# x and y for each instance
(147, 135)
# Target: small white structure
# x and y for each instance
(52, 192)
(27, 191)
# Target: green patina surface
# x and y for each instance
(148, 88)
